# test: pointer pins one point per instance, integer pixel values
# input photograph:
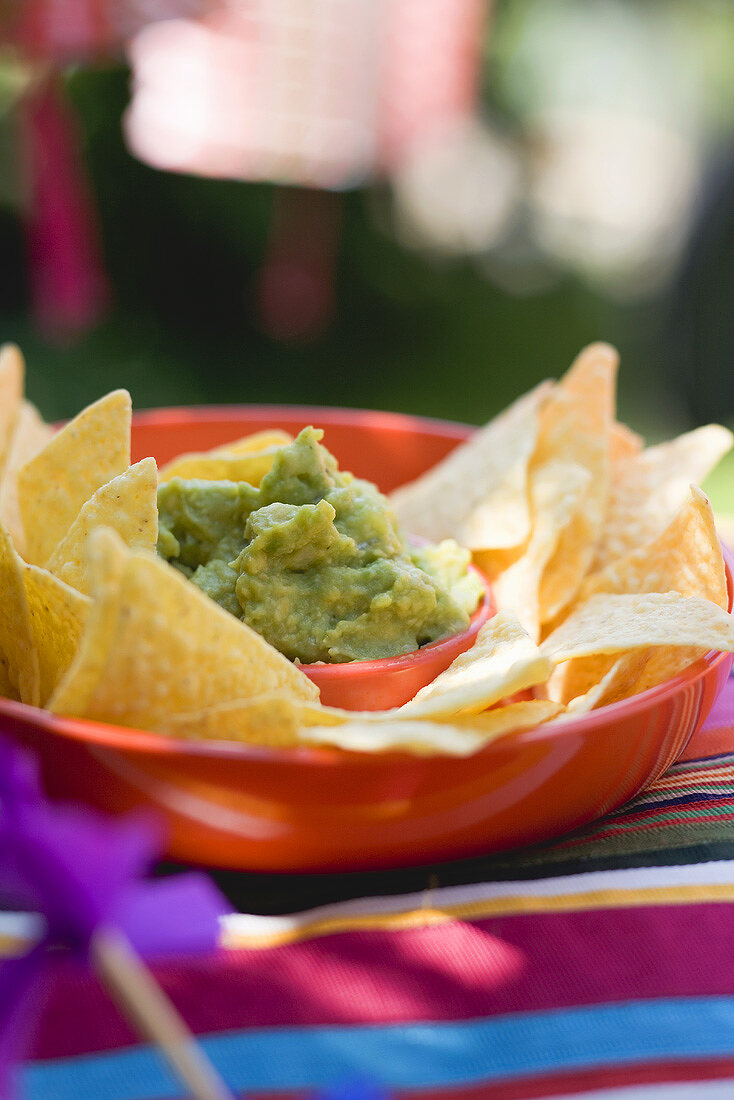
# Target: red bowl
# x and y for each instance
(309, 809)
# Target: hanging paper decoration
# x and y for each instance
(68, 283)
(79, 30)
(317, 92)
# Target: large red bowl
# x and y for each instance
(308, 809)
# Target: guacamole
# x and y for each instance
(313, 560)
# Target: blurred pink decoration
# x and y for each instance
(75, 30)
(296, 284)
(429, 79)
(316, 92)
(68, 282)
(66, 272)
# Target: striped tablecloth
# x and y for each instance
(600, 966)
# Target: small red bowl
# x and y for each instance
(310, 809)
(392, 681)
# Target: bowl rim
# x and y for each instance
(131, 739)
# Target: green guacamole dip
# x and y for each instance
(313, 560)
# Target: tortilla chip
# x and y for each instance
(156, 646)
(12, 375)
(58, 615)
(503, 660)
(617, 683)
(478, 494)
(648, 489)
(16, 636)
(92, 449)
(623, 443)
(221, 466)
(575, 428)
(30, 435)
(426, 738)
(252, 444)
(556, 489)
(266, 720)
(127, 505)
(7, 688)
(612, 623)
(686, 558)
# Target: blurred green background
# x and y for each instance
(614, 128)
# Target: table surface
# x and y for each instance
(599, 965)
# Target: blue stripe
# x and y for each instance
(414, 1056)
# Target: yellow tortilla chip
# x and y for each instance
(258, 441)
(478, 494)
(58, 615)
(156, 646)
(30, 435)
(12, 376)
(576, 429)
(612, 623)
(266, 720)
(7, 688)
(686, 558)
(127, 505)
(460, 738)
(502, 661)
(92, 449)
(221, 466)
(649, 487)
(16, 637)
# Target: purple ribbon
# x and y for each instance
(79, 869)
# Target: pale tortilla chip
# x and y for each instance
(30, 435)
(221, 466)
(556, 489)
(425, 738)
(613, 623)
(156, 646)
(686, 558)
(92, 449)
(502, 661)
(12, 376)
(127, 505)
(617, 683)
(16, 636)
(623, 443)
(648, 489)
(575, 429)
(58, 615)
(478, 494)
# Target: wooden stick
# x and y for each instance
(152, 1014)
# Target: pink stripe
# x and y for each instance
(453, 971)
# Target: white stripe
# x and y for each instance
(720, 872)
(684, 1090)
(28, 926)
(21, 926)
